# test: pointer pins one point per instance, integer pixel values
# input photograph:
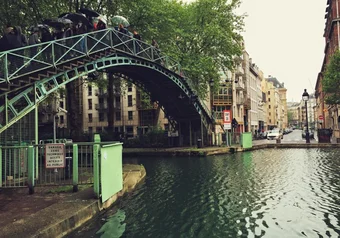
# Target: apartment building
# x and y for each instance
(276, 95)
(332, 44)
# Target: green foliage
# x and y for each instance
(290, 116)
(331, 81)
(203, 36)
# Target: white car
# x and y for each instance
(275, 134)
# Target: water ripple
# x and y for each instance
(265, 193)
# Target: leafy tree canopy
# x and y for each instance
(203, 36)
(331, 81)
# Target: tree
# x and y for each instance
(331, 81)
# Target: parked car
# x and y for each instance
(311, 133)
(275, 134)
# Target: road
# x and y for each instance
(294, 137)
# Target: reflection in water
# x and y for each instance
(265, 193)
(113, 228)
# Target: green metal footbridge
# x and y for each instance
(28, 75)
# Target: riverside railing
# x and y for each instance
(24, 166)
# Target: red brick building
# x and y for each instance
(332, 38)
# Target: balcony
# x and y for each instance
(239, 71)
(100, 107)
(101, 93)
(247, 104)
(240, 86)
(222, 100)
(240, 101)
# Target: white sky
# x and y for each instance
(285, 39)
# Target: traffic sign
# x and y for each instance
(321, 117)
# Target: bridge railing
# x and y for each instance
(33, 58)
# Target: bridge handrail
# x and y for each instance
(34, 58)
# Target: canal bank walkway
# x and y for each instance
(55, 211)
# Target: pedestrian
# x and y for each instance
(154, 44)
(137, 38)
(34, 40)
(14, 40)
(156, 51)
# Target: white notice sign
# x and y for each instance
(227, 126)
(54, 156)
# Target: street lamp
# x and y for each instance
(305, 97)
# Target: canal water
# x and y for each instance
(264, 193)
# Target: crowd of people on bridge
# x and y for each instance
(54, 29)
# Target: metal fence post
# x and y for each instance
(96, 157)
(96, 170)
(0, 167)
(75, 168)
(30, 169)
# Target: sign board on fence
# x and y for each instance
(54, 156)
(227, 126)
(321, 117)
(227, 119)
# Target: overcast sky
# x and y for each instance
(285, 39)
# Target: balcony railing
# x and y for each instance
(101, 107)
(240, 86)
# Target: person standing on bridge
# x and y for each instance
(34, 40)
(138, 38)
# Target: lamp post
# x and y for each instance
(211, 84)
(305, 97)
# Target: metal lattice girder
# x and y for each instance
(23, 103)
(17, 63)
(34, 58)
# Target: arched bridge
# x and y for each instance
(28, 75)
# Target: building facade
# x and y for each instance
(332, 39)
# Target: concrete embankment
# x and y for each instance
(47, 215)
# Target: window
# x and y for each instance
(270, 114)
(61, 119)
(268, 99)
(130, 101)
(90, 129)
(129, 131)
(118, 100)
(129, 87)
(118, 116)
(90, 117)
(61, 104)
(90, 90)
(269, 106)
(130, 115)
(99, 129)
(90, 103)
(268, 92)
(101, 116)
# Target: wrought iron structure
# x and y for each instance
(29, 74)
